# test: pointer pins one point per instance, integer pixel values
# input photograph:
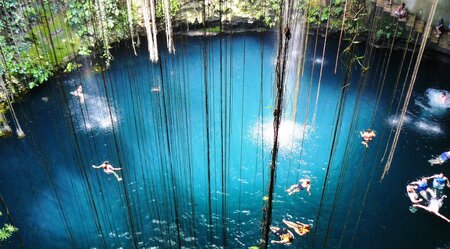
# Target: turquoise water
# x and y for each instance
(155, 123)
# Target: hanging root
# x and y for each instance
(279, 81)
(410, 89)
(20, 133)
(151, 30)
(5, 129)
(168, 22)
(130, 23)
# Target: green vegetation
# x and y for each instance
(40, 38)
(7, 231)
(174, 8)
(47, 36)
(388, 28)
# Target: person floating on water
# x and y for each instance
(108, 169)
(412, 194)
(286, 236)
(423, 189)
(304, 184)
(300, 228)
(79, 93)
(367, 136)
(442, 158)
(439, 183)
(443, 97)
(433, 207)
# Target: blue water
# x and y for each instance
(155, 123)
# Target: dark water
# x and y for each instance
(195, 172)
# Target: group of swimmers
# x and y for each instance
(429, 199)
(285, 235)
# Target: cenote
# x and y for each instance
(193, 135)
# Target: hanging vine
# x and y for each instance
(150, 29)
(130, 23)
(168, 22)
(8, 98)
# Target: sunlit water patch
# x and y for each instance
(93, 114)
(319, 60)
(290, 134)
(419, 125)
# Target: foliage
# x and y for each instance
(174, 8)
(7, 231)
(214, 29)
(65, 41)
(387, 29)
(318, 13)
(20, 69)
(98, 25)
(272, 18)
(71, 66)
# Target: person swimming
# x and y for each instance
(79, 93)
(286, 236)
(423, 189)
(367, 136)
(300, 228)
(442, 158)
(433, 207)
(412, 194)
(439, 183)
(443, 97)
(108, 169)
(304, 184)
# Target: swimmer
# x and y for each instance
(423, 189)
(367, 136)
(79, 93)
(155, 89)
(412, 194)
(442, 158)
(300, 228)
(433, 207)
(443, 97)
(108, 169)
(304, 184)
(439, 183)
(286, 236)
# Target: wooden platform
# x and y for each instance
(411, 20)
(419, 26)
